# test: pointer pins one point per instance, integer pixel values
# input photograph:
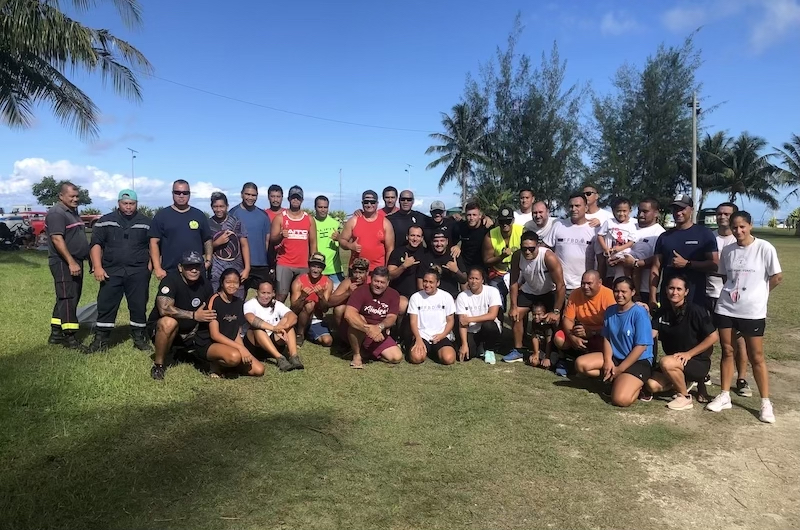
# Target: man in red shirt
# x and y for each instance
(369, 235)
(294, 234)
(310, 295)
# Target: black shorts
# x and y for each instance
(182, 343)
(642, 369)
(528, 300)
(746, 326)
(259, 352)
(258, 275)
(696, 369)
(433, 349)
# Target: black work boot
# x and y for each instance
(101, 340)
(72, 343)
(140, 340)
(56, 335)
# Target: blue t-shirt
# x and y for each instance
(257, 223)
(628, 329)
(179, 232)
(693, 244)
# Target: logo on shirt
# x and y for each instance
(196, 302)
(694, 242)
(164, 290)
(194, 225)
(297, 233)
(229, 318)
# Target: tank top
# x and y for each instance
(499, 243)
(293, 249)
(305, 281)
(369, 234)
(533, 274)
(327, 246)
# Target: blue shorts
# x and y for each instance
(317, 330)
(336, 278)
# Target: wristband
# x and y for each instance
(193, 315)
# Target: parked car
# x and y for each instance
(90, 220)
(708, 217)
(35, 219)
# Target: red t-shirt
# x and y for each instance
(371, 237)
(374, 308)
(293, 250)
(305, 281)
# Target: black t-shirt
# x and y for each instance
(230, 316)
(66, 222)
(449, 282)
(693, 244)
(448, 226)
(472, 243)
(179, 232)
(402, 221)
(187, 297)
(680, 333)
(406, 283)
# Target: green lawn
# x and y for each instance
(93, 442)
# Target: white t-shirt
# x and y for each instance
(573, 244)
(602, 216)
(522, 218)
(746, 290)
(475, 305)
(432, 311)
(644, 248)
(270, 315)
(714, 283)
(543, 232)
(617, 234)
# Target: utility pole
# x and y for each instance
(695, 112)
(133, 156)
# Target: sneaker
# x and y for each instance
(681, 403)
(691, 386)
(284, 365)
(720, 403)
(743, 389)
(296, 363)
(489, 357)
(561, 369)
(514, 356)
(767, 416)
(645, 396)
(157, 372)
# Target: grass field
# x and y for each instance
(93, 442)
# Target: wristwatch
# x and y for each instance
(381, 326)
(557, 311)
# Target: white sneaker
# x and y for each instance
(489, 357)
(691, 386)
(767, 416)
(720, 403)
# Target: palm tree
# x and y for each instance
(711, 155)
(463, 146)
(745, 171)
(38, 42)
(790, 172)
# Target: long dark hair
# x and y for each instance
(227, 272)
(681, 311)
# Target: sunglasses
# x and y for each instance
(504, 221)
(292, 197)
(192, 267)
(437, 212)
(181, 192)
(528, 249)
(369, 202)
(589, 193)
(406, 199)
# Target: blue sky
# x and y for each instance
(388, 64)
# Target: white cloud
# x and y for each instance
(680, 19)
(614, 23)
(780, 19)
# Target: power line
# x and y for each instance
(276, 109)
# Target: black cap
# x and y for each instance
(296, 190)
(505, 214)
(684, 201)
(369, 194)
(192, 257)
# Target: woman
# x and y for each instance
(431, 318)
(230, 243)
(749, 270)
(688, 336)
(627, 356)
(477, 309)
(220, 342)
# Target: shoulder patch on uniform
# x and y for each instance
(164, 290)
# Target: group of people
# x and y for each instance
(601, 289)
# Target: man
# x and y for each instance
(596, 217)
(573, 242)
(338, 299)
(389, 201)
(688, 249)
(310, 295)
(406, 215)
(294, 234)
(641, 257)
(498, 246)
(440, 223)
(275, 198)
(471, 233)
(525, 212)
(536, 278)
(120, 254)
(404, 262)
(180, 309)
(542, 222)
(371, 311)
(454, 274)
(257, 226)
(271, 328)
(67, 247)
(177, 230)
(328, 240)
(724, 237)
(368, 235)
(582, 324)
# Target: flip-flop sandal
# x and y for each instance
(214, 375)
(703, 398)
(356, 366)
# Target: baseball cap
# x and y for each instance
(437, 205)
(684, 201)
(369, 194)
(360, 263)
(127, 194)
(192, 257)
(296, 190)
(439, 233)
(505, 214)
(317, 257)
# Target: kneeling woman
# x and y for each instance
(221, 344)
(687, 336)
(627, 356)
(431, 318)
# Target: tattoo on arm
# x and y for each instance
(208, 249)
(257, 323)
(166, 308)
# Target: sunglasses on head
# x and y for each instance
(369, 201)
(180, 192)
(406, 199)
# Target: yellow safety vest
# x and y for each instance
(499, 244)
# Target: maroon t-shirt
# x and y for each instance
(374, 308)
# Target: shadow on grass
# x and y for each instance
(18, 257)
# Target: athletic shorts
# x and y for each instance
(433, 349)
(284, 276)
(641, 369)
(746, 326)
(528, 300)
(317, 330)
(375, 349)
(258, 275)
(696, 369)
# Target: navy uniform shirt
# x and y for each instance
(179, 232)
(125, 242)
(693, 244)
